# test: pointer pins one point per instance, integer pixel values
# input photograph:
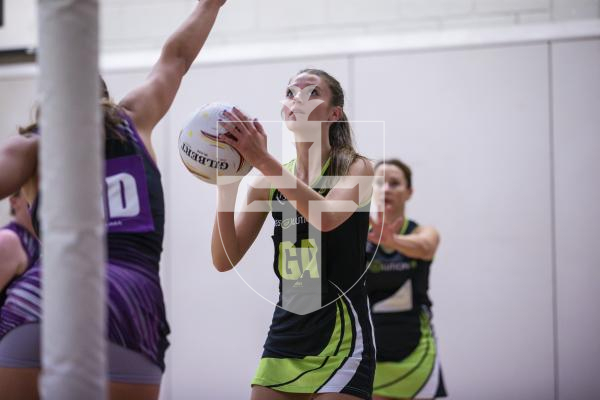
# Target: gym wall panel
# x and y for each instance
(255, 21)
(575, 9)
(576, 83)
(19, 29)
(474, 126)
(219, 323)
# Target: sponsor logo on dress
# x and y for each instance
(377, 266)
(286, 223)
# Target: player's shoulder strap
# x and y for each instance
(408, 226)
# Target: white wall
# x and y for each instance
(144, 24)
(474, 125)
(19, 30)
(273, 20)
(576, 142)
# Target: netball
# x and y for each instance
(201, 151)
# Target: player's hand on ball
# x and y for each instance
(246, 135)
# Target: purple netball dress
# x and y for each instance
(135, 224)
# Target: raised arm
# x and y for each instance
(148, 103)
(232, 237)
(18, 163)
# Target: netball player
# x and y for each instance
(137, 327)
(321, 350)
(398, 280)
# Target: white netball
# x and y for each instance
(201, 152)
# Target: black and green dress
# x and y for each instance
(321, 336)
(407, 356)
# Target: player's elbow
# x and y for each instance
(221, 259)
(175, 56)
(328, 226)
(223, 264)
(429, 247)
(427, 251)
(223, 267)
(330, 221)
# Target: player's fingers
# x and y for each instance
(244, 119)
(233, 119)
(259, 127)
(231, 128)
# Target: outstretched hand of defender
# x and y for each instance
(382, 232)
(246, 135)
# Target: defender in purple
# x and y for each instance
(137, 327)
